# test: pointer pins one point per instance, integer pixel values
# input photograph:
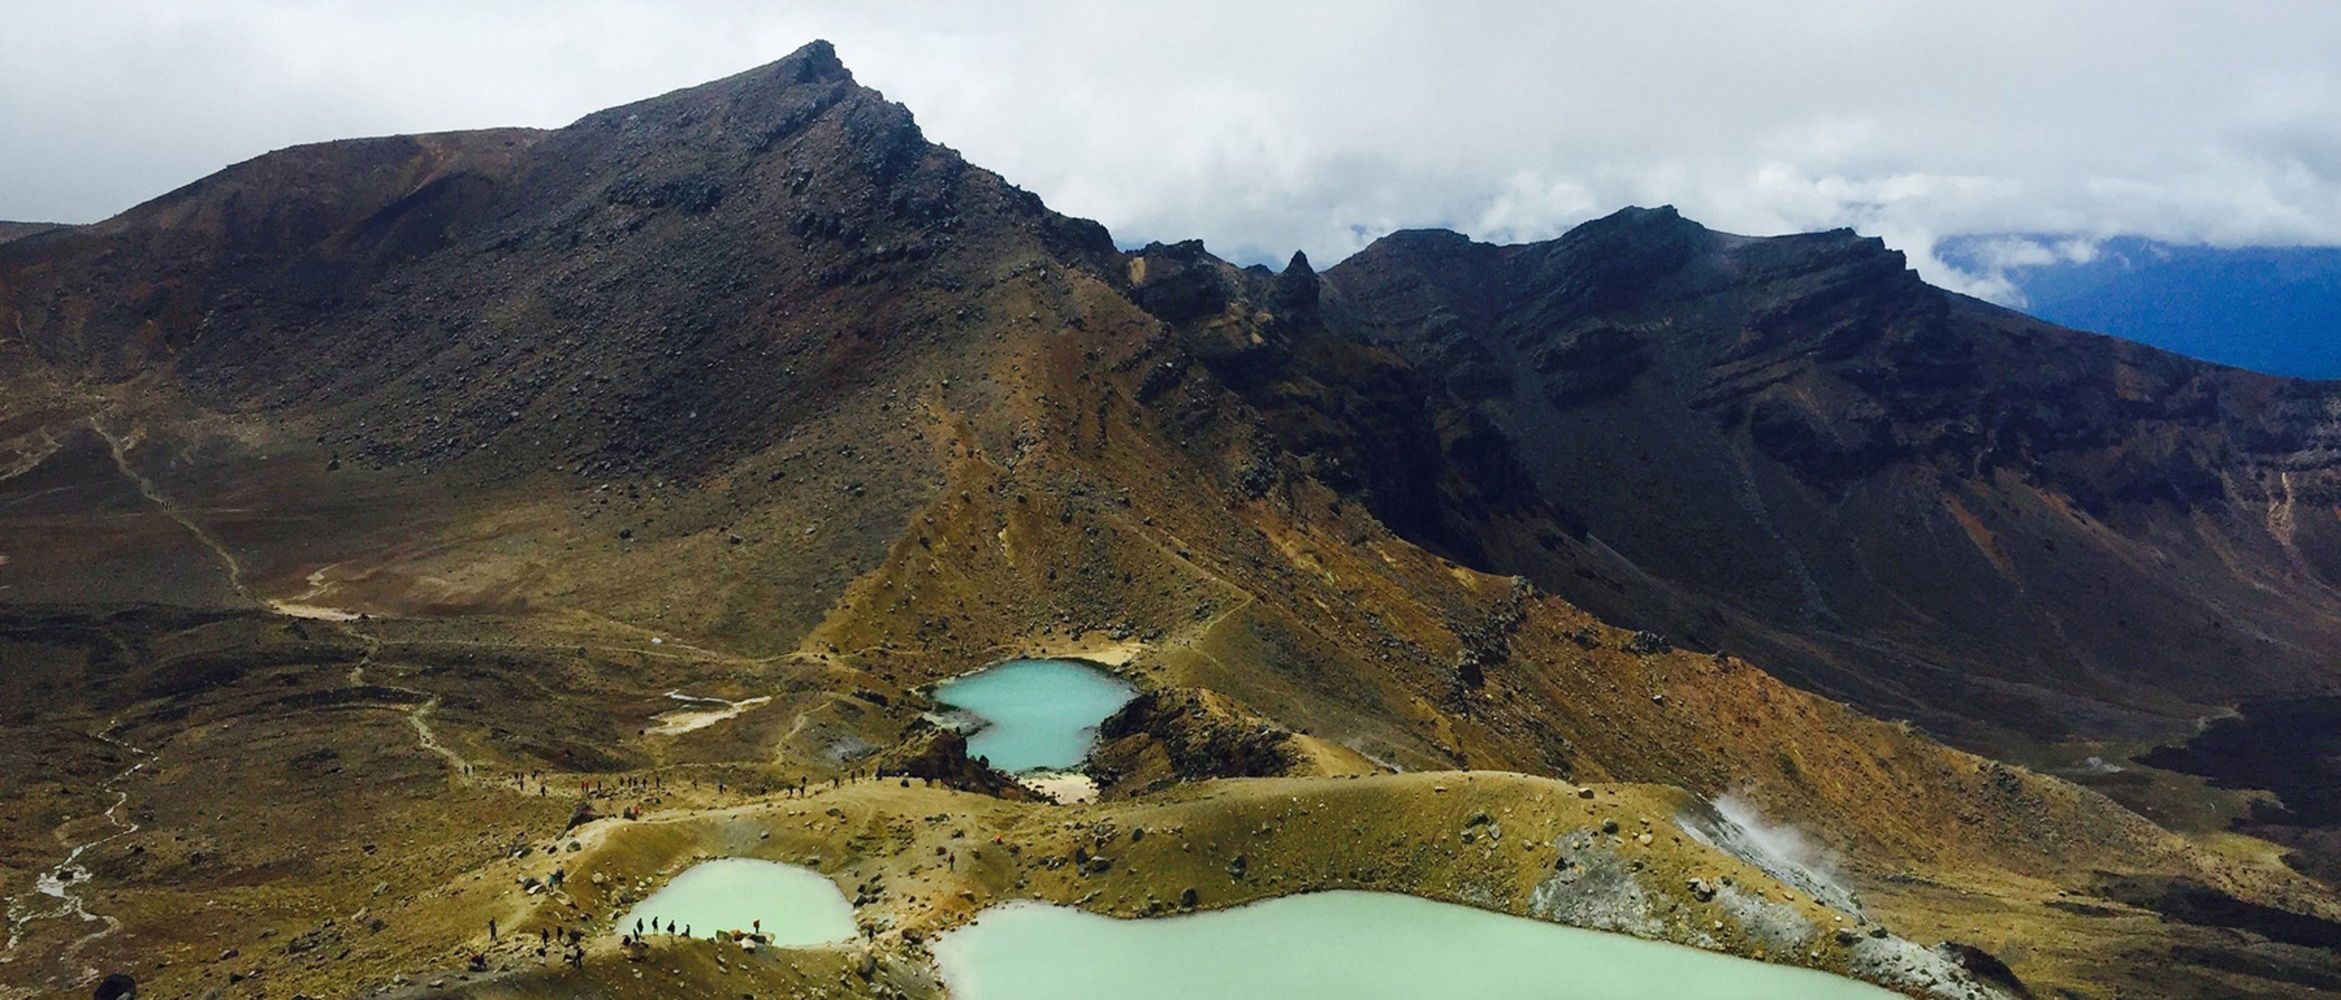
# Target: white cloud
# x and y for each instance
(2078, 250)
(2010, 252)
(1991, 263)
(1263, 128)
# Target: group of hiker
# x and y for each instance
(639, 937)
(570, 940)
(653, 789)
(592, 787)
(670, 929)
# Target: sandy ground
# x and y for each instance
(1063, 786)
(682, 721)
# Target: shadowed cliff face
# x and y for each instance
(1786, 446)
(1893, 494)
(748, 391)
(1358, 416)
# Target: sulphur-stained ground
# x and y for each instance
(342, 807)
(380, 519)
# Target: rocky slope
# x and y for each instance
(1935, 508)
(19, 230)
(748, 392)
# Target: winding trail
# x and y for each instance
(804, 715)
(56, 885)
(429, 741)
(154, 494)
(417, 716)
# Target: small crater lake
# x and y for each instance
(799, 907)
(1035, 714)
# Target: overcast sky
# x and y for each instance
(1264, 126)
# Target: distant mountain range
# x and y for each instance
(2269, 309)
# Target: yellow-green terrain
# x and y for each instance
(361, 507)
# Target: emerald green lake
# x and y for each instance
(1035, 714)
(1344, 945)
(798, 906)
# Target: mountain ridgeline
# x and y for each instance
(757, 369)
(1789, 448)
(1902, 496)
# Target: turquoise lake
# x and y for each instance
(798, 906)
(1037, 714)
(1344, 945)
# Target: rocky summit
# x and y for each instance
(415, 551)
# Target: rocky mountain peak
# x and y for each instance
(780, 95)
(749, 390)
(1296, 286)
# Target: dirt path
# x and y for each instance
(417, 716)
(804, 715)
(298, 607)
(154, 494)
(54, 895)
(227, 560)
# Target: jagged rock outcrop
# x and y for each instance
(750, 388)
(930, 752)
(1188, 734)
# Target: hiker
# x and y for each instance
(491, 928)
(758, 925)
(637, 926)
(952, 859)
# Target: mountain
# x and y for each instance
(2269, 309)
(19, 230)
(367, 510)
(1899, 496)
